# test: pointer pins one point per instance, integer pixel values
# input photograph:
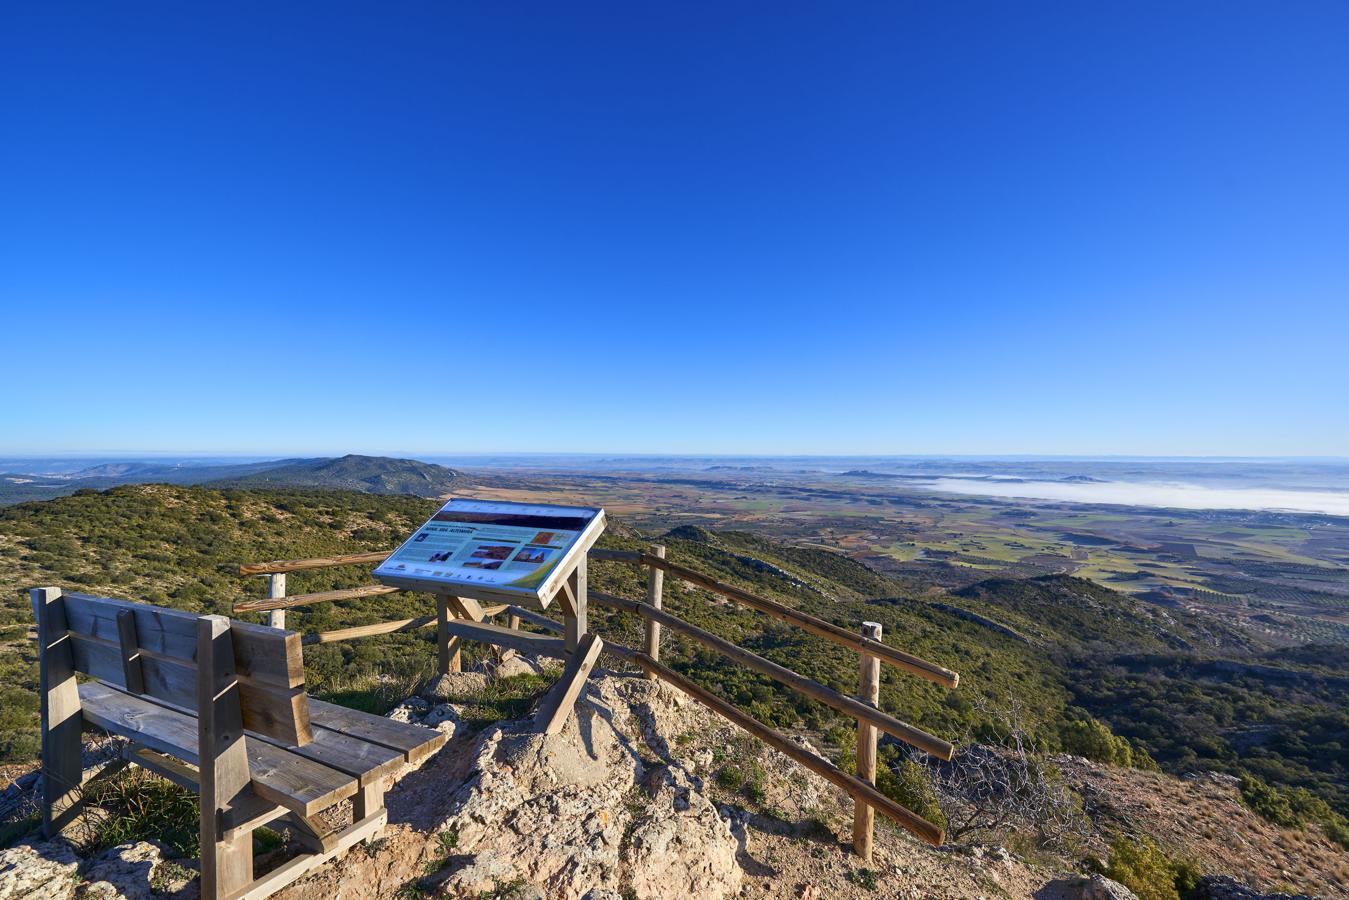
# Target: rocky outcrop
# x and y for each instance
(1221, 887)
(600, 805)
(604, 808)
(54, 870)
(40, 870)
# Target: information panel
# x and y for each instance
(494, 549)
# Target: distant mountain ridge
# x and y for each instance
(367, 474)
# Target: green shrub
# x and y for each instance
(1293, 808)
(1338, 831)
(1269, 802)
(905, 783)
(754, 784)
(1091, 738)
(1143, 868)
(730, 778)
(19, 732)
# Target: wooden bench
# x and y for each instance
(218, 707)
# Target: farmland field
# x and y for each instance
(1282, 574)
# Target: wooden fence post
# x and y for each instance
(276, 589)
(869, 692)
(655, 588)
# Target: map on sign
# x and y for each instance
(493, 547)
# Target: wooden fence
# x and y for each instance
(866, 643)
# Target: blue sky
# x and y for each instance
(724, 228)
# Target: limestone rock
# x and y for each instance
(1098, 887)
(552, 810)
(455, 686)
(135, 872)
(443, 717)
(38, 870)
(411, 710)
(684, 842)
(518, 664)
(1221, 887)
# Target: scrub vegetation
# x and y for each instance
(1092, 672)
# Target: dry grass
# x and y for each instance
(1204, 819)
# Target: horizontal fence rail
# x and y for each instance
(806, 622)
(270, 603)
(457, 620)
(280, 566)
(811, 688)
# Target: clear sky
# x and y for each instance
(669, 227)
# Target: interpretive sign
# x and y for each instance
(494, 550)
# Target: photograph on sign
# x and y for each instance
(491, 546)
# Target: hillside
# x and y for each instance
(1179, 688)
(367, 474)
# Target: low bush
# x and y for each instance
(1145, 869)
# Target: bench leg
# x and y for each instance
(226, 857)
(62, 718)
(368, 800)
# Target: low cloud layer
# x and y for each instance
(1177, 495)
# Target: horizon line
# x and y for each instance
(138, 455)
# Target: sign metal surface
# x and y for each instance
(494, 550)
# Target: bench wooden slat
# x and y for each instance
(164, 679)
(281, 776)
(281, 713)
(166, 632)
(415, 742)
(363, 760)
(262, 654)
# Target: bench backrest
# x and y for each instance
(153, 652)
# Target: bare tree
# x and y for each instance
(997, 781)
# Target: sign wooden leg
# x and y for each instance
(447, 647)
(573, 596)
(558, 702)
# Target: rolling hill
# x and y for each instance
(367, 474)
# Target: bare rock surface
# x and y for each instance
(1222, 887)
(603, 806)
(54, 870)
(40, 870)
(455, 686)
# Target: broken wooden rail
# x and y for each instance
(461, 621)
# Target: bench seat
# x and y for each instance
(349, 748)
(413, 742)
(285, 778)
(219, 708)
